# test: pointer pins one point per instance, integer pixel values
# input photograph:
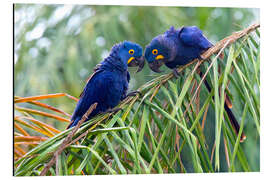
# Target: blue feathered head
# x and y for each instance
(126, 54)
(160, 50)
(131, 53)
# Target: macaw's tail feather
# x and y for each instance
(230, 114)
(234, 123)
(228, 101)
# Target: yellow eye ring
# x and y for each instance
(131, 51)
(155, 51)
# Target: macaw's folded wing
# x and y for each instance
(193, 36)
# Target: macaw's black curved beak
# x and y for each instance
(137, 62)
(140, 63)
(155, 65)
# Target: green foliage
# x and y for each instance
(57, 46)
(155, 133)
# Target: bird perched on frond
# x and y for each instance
(178, 47)
(108, 85)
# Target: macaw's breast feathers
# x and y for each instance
(193, 36)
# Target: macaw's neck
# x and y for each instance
(168, 44)
(113, 61)
(170, 48)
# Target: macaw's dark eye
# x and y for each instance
(131, 51)
(154, 51)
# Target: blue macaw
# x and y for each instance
(108, 85)
(178, 47)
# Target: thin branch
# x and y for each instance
(204, 116)
(226, 153)
(67, 141)
(231, 39)
(212, 152)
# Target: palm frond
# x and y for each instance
(168, 120)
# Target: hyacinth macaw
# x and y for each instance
(108, 85)
(178, 47)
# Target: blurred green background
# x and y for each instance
(57, 46)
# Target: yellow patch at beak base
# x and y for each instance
(159, 57)
(130, 59)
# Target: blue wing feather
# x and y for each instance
(193, 36)
(102, 88)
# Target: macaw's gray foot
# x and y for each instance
(201, 58)
(134, 93)
(114, 111)
(176, 73)
(205, 59)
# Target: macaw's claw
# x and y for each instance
(201, 58)
(134, 93)
(175, 73)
